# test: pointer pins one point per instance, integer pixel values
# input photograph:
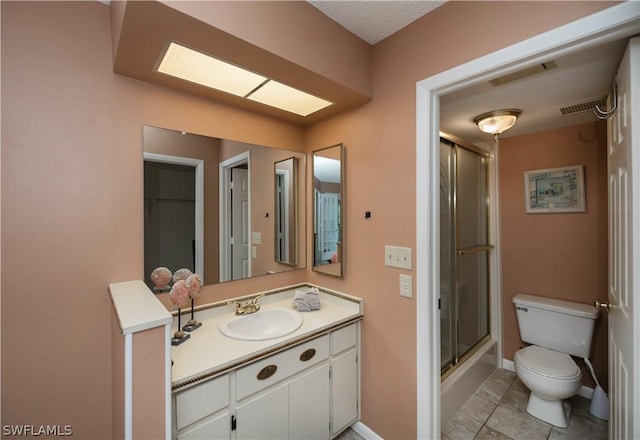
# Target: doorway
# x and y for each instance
(613, 23)
(235, 218)
(173, 213)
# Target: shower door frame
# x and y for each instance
(455, 143)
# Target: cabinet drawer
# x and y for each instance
(344, 338)
(201, 400)
(266, 372)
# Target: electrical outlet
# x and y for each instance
(396, 256)
(406, 288)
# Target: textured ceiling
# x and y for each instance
(374, 21)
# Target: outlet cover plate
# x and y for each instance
(406, 286)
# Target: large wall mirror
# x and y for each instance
(225, 209)
(328, 210)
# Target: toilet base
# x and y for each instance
(555, 412)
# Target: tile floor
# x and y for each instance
(497, 410)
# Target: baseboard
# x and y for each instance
(508, 365)
(584, 391)
(364, 431)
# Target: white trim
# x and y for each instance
(610, 24)
(225, 208)
(128, 386)
(167, 381)
(364, 431)
(286, 188)
(508, 365)
(198, 164)
(495, 262)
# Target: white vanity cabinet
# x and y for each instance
(309, 391)
(203, 411)
(344, 378)
(297, 405)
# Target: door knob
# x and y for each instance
(601, 305)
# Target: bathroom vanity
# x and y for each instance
(305, 384)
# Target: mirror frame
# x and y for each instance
(334, 269)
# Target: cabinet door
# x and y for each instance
(344, 390)
(309, 405)
(218, 428)
(265, 416)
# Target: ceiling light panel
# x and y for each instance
(289, 99)
(196, 67)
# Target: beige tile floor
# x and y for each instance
(497, 410)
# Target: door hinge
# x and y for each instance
(233, 423)
(439, 303)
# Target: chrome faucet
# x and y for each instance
(248, 307)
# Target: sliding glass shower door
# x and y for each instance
(464, 251)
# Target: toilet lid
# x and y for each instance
(547, 362)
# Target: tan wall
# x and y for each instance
(117, 379)
(148, 405)
(72, 191)
(66, 215)
(555, 255)
(71, 199)
(380, 177)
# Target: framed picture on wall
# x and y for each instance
(554, 190)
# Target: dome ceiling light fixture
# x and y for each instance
(497, 122)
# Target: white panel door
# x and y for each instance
(624, 250)
(240, 223)
(344, 390)
(265, 417)
(309, 405)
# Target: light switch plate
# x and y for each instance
(256, 238)
(396, 256)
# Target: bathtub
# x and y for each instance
(467, 377)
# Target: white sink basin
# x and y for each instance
(261, 325)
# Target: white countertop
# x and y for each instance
(208, 351)
(136, 307)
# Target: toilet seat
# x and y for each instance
(547, 363)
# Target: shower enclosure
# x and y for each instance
(464, 251)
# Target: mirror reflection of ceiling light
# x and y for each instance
(497, 122)
(193, 66)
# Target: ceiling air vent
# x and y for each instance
(533, 70)
(582, 106)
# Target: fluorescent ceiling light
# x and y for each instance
(287, 98)
(193, 66)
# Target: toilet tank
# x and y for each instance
(556, 324)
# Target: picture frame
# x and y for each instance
(555, 190)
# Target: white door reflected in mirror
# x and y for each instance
(328, 210)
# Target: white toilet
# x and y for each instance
(558, 329)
